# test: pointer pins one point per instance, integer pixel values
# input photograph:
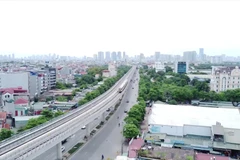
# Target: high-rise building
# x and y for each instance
(201, 54)
(100, 56)
(157, 56)
(124, 56)
(141, 57)
(181, 67)
(190, 56)
(114, 56)
(95, 57)
(107, 56)
(119, 55)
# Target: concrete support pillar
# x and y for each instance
(59, 151)
(88, 130)
(103, 117)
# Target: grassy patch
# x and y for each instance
(111, 113)
(75, 148)
(107, 118)
(93, 132)
(99, 126)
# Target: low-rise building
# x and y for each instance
(106, 73)
(199, 128)
(14, 101)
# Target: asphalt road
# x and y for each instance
(108, 140)
(51, 154)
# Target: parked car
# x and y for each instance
(63, 148)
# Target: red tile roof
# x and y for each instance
(134, 146)
(202, 156)
(83, 73)
(21, 101)
(13, 90)
(105, 70)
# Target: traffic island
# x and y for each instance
(93, 132)
(99, 126)
(107, 118)
(74, 149)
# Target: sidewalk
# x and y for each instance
(144, 125)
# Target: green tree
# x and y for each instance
(168, 69)
(58, 113)
(202, 86)
(130, 131)
(82, 101)
(47, 113)
(5, 133)
(131, 120)
(33, 122)
(135, 113)
(60, 85)
(62, 98)
(233, 96)
(89, 79)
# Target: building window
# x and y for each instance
(227, 86)
(232, 86)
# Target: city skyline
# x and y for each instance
(72, 29)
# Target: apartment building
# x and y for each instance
(225, 78)
(159, 66)
(49, 77)
(190, 56)
(34, 86)
(14, 79)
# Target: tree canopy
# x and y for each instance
(178, 88)
(46, 116)
(108, 83)
(130, 131)
(5, 133)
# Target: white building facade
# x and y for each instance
(225, 78)
(159, 66)
(14, 79)
(112, 69)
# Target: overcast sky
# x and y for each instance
(80, 28)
